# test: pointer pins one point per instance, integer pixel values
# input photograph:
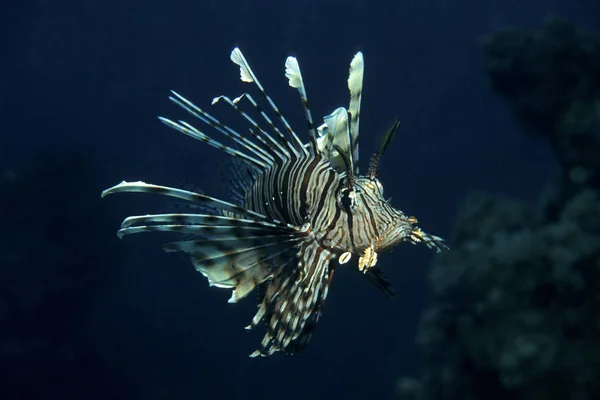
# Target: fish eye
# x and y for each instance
(348, 199)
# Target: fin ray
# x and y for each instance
(278, 151)
(220, 127)
(197, 198)
(193, 132)
(295, 300)
(294, 75)
(334, 136)
(355, 85)
(240, 263)
(247, 75)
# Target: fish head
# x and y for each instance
(376, 224)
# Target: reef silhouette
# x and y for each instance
(515, 309)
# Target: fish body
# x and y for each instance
(300, 209)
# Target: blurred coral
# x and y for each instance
(515, 309)
(551, 77)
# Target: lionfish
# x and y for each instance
(299, 210)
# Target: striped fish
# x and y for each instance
(299, 209)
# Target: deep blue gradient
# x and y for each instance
(91, 77)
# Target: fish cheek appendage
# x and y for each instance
(298, 210)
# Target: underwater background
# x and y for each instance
(498, 152)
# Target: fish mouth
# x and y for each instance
(392, 236)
